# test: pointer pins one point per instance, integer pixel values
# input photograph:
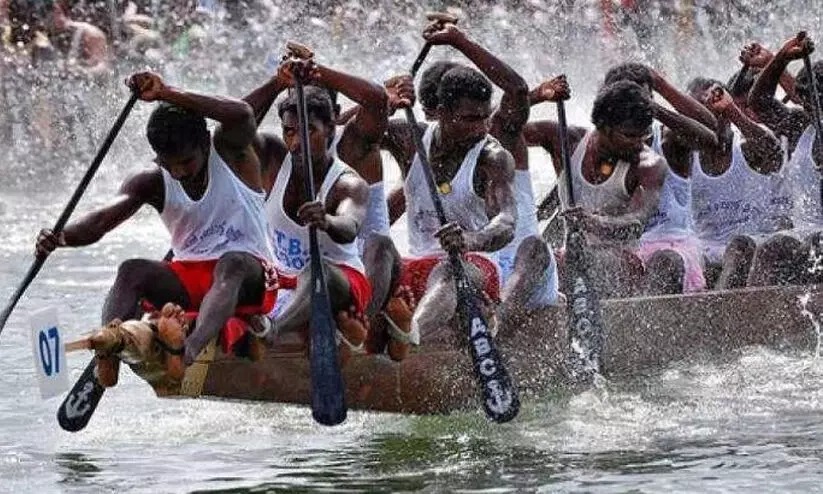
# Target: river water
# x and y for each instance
(749, 423)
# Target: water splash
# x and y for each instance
(803, 301)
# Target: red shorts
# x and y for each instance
(359, 287)
(197, 278)
(415, 273)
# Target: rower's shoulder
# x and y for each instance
(145, 185)
(495, 154)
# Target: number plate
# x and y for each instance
(49, 353)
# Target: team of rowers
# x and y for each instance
(720, 191)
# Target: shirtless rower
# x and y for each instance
(785, 258)
(208, 191)
(338, 212)
(617, 181)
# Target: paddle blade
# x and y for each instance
(81, 402)
(500, 400)
(585, 320)
(328, 394)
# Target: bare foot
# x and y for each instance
(399, 312)
(354, 328)
(172, 326)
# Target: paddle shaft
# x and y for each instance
(500, 400)
(328, 390)
(69, 209)
(585, 320)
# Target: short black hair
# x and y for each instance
(741, 87)
(622, 103)
(703, 83)
(318, 104)
(803, 83)
(463, 82)
(172, 129)
(430, 82)
(630, 71)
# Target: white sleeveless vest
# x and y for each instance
(735, 202)
(802, 182)
(546, 292)
(377, 210)
(291, 240)
(461, 205)
(228, 218)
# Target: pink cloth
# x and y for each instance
(689, 250)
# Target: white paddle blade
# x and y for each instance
(49, 353)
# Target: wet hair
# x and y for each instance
(318, 104)
(629, 71)
(702, 83)
(463, 82)
(333, 98)
(803, 83)
(743, 86)
(430, 82)
(622, 103)
(172, 129)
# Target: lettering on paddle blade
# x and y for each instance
(498, 401)
(478, 327)
(482, 346)
(487, 367)
(77, 405)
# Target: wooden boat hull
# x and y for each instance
(642, 334)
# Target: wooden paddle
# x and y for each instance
(328, 394)
(500, 400)
(583, 304)
(69, 209)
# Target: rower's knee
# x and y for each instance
(379, 247)
(740, 247)
(235, 265)
(533, 254)
(134, 272)
(777, 249)
(666, 271)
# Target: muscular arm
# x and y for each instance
(513, 112)
(761, 97)
(644, 202)
(761, 148)
(346, 208)
(145, 187)
(496, 169)
(262, 98)
(687, 131)
(682, 102)
(366, 129)
(546, 134)
(399, 141)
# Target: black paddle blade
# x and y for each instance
(81, 402)
(500, 400)
(586, 322)
(328, 394)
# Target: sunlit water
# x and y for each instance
(751, 422)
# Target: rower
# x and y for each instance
(527, 265)
(668, 247)
(475, 178)
(337, 213)
(617, 181)
(734, 186)
(208, 191)
(785, 258)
